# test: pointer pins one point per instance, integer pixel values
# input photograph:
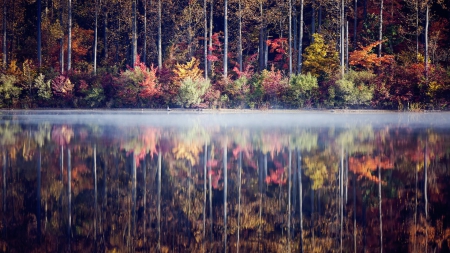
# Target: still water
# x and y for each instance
(146, 181)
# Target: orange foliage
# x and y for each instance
(367, 59)
(365, 165)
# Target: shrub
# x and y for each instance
(43, 87)
(273, 85)
(355, 88)
(9, 92)
(192, 90)
(303, 89)
(95, 97)
(62, 87)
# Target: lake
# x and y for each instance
(253, 181)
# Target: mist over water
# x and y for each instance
(188, 181)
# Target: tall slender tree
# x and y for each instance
(225, 44)
(4, 34)
(205, 36)
(39, 43)
(355, 24)
(380, 31)
(211, 18)
(342, 37)
(95, 36)
(69, 36)
(300, 40)
(159, 36)
(105, 32)
(427, 23)
(134, 33)
(290, 38)
(261, 38)
(240, 36)
(61, 40)
(144, 50)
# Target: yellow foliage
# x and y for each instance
(187, 151)
(316, 170)
(13, 69)
(320, 58)
(190, 69)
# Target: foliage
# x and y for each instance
(303, 89)
(320, 58)
(356, 88)
(191, 91)
(95, 97)
(188, 70)
(9, 91)
(273, 84)
(62, 87)
(366, 59)
(44, 87)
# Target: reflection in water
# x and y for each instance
(225, 186)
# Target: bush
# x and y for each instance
(303, 89)
(356, 88)
(44, 89)
(192, 90)
(9, 92)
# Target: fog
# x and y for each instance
(245, 118)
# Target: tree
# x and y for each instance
(95, 37)
(134, 33)
(159, 37)
(69, 37)
(240, 37)
(290, 39)
(205, 36)
(4, 35)
(380, 31)
(300, 41)
(225, 44)
(39, 53)
(320, 58)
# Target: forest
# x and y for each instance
(257, 54)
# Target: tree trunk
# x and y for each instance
(159, 37)
(61, 41)
(261, 39)
(94, 156)
(380, 32)
(341, 197)
(205, 161)
(289, 197)
(342, 38)
(39, 52)
(69, 35)
(211, 17)
(427, 22)
(4, 35)
(225, 44)
(290, 38)
(425, 186)
(346, 63)
(240, 38)
(69, 193)
(205, 41)
(105, 36)
(300, 40)
(144, 51)
(134, 34)
(95, 37)
(211, 219)
(313, 19)
(355, 25)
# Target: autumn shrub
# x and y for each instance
(62, 88)
(355, 89)
(137, 86)
(191, 91)
(320, 58)
(9, 90)
(303, 90)
(44, 89)
(95, 97)
(273, 85)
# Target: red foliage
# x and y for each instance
(366, 59)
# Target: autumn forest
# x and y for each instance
(382, 54)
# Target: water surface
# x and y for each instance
(156, 181)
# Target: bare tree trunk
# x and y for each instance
(355, 26)
(61, 41)
(225, 44)
(95, 37)
(342, 38)
(144, 51)
(205, 41)
(134, 34)
(417, 28)
(211, 17)
(240, 37)
(159, 37)
(261, 39)
(300, 41)
(427, 22)
(69, 35)
(290, 38)
(313, 19)
(39, 52)
(4, 34)
(105, 35)
(380, 32)
(346, 62)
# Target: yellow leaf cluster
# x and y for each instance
(190, 69)
(319, 57)
(186, 151)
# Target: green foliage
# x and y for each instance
(95, 97)
(43, 87)
(303, 88)
(9, 92)
(356, 88)
(192, 90)
(320, 58)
